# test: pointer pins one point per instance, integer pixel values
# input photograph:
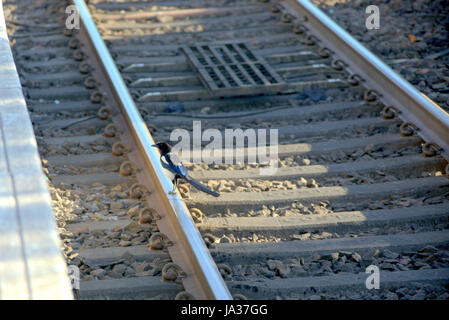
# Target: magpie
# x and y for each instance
(172, 163)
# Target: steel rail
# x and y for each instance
(189, 251)
(416, 108)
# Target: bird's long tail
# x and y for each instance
(201, 187)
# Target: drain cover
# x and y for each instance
(233, 69)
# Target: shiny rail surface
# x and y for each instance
(189, 250)
(431, 120)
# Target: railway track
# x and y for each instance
(352, 188)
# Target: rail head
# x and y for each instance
(416, 108)
(209, 283)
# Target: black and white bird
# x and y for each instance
(173, 164)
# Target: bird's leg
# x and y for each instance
(175, 185)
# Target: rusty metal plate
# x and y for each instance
(233, 69)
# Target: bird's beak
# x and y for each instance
(154, 145)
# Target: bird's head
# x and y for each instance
(163, 147)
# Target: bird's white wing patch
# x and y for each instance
(175, 159)
(178, 162)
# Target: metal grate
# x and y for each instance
(233, 69)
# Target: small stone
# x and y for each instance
(422, 265)
(305, 236)
(295, 237)
(66, 235)
(432, 258)
(347, 254)
(424, 254)
(277, 266)
(274, 264)
(420, 295)
(98, 233)
(267, 273)
(444, 296)
(402, 292)
(114, 275)
(137, 241)
(356, 257)
(392, 261)
(326, 235)
(369, 148)
(129, 272)
(75, 245)
(315, 267)
(119, 268)
(121, 213)
(402, 267)
(128, 257)
(330, 257)
(117, 188)
(143, 273)
(312, 184)
(283, 271)
(125, 237)
(116, 205)
(325, 270)
(255, 238)
(133, 227)
(205, 110)
(302, 181)
(74, 255)
(388, 266)
(389, 254)
(347, 268)
(133, 212)
(87, 278)
(290, 261)
(335, 256)
(319, 210)
(305, 162)
(365, 263)
(124, 243)
(298, 270)
(391, 296)
(98, 273)
(141, 266)
(77, 210)
(429, 249)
